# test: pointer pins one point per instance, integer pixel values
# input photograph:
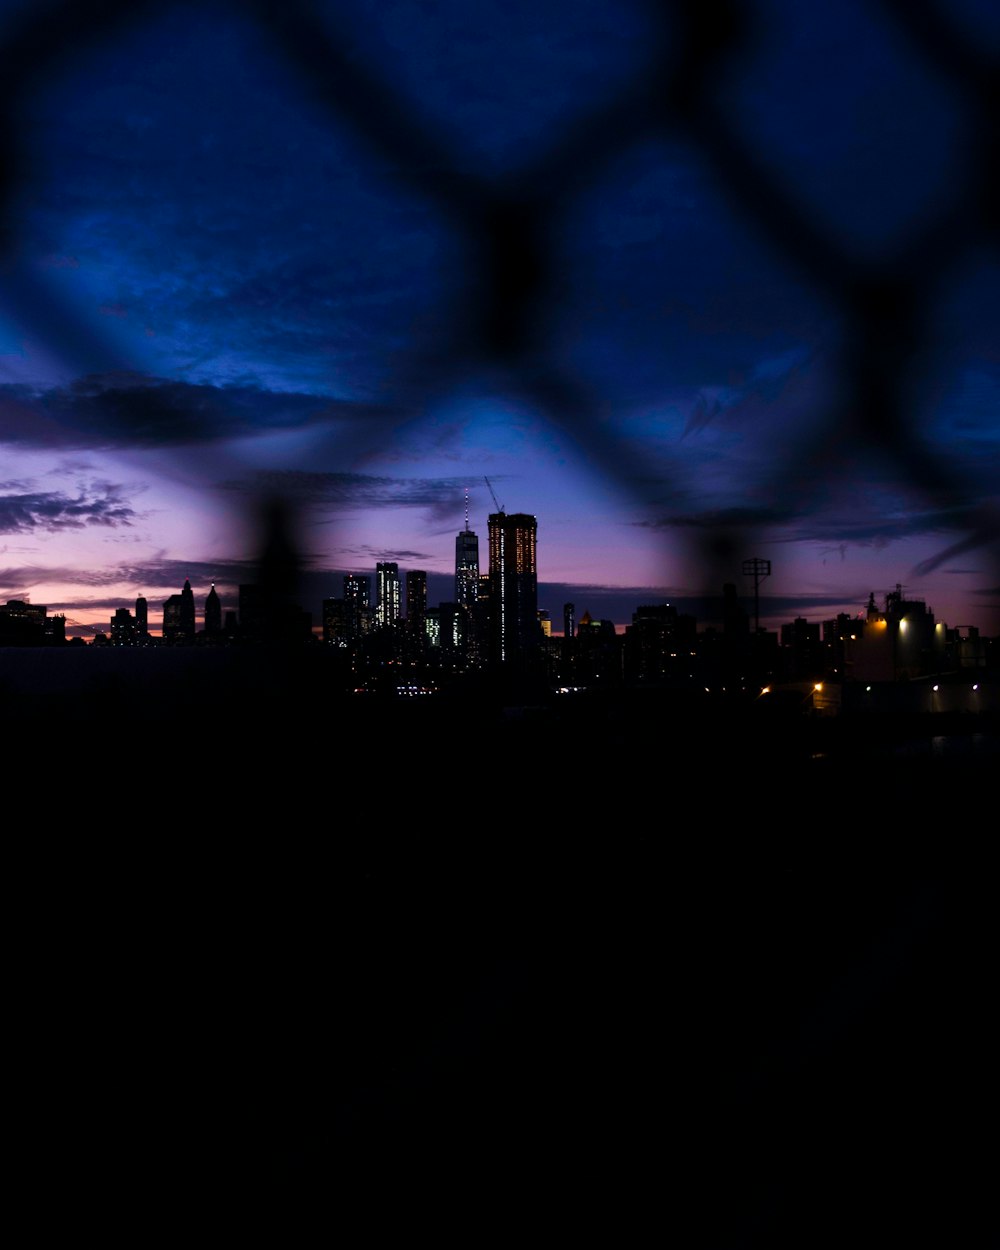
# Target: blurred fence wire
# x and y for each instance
(887, 304)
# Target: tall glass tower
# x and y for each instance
(467, 568)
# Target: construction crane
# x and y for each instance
(493, 493)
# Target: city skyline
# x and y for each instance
(223, 285)
(536, 330)
(383, 584)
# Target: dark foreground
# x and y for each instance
(541, 969)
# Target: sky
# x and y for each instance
(360, 256)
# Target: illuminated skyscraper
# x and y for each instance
(357, 601)
(513, 585)
(358, 586)
(387, 592)
(466, 568)
(416, 601)
(467, 564)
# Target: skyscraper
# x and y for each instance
(213, 612)
(466, 566)
(357, 600)
(387, 592)
(178, 616)
(142, 617)
(187, 611)
(513, 585)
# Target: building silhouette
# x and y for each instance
(213, 612)
(178, 616)
(659, 644)
(124, 630)
(513, 580)
(335, 622)
(597, 655)
(801, 650)
(187, 610)
(171, 618)
(172, 615)
(416, 601)
(26, 624)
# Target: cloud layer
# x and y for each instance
(55, 511)
(133, 410)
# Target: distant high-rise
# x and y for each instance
(172, 630)
(142, 617)
(513, 585)
(187, 610)
(335, 622)
(357, 604)
(358, 586)
(387, 593)
(123, 630)
(21, 623)
(213, 612)
(467, 564)
(416, 601)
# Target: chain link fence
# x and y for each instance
(247, 1064)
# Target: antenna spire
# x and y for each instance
(466, 509)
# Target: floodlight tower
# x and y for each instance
(758, 569)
